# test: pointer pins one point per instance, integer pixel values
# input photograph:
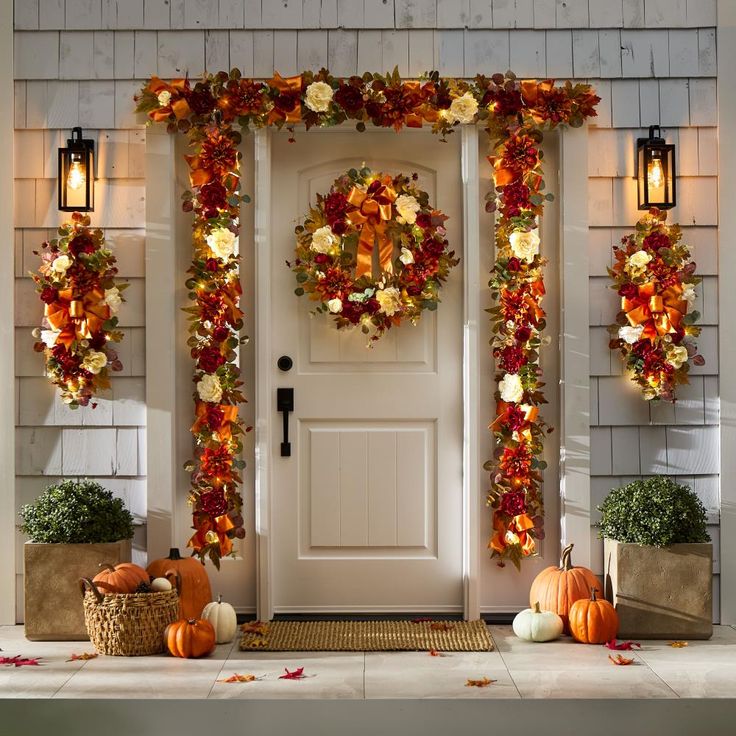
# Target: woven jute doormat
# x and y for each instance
(366, 636)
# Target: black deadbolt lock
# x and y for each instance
(285, 363)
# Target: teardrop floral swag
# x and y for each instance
(654, 275)
(334, 255)
(81, 297)
(515, 115)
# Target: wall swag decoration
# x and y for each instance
(362, 211)
(515, 115)
(76, 283)
(655, 278)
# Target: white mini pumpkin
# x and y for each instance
(223, 619)
(160, 584)
(534, 624)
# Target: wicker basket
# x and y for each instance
(128, 624)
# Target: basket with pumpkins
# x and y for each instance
(564, 599)
(130, 611)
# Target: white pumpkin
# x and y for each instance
(534, 624)
(223, 619)
(160, 584)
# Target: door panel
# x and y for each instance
(367, 512)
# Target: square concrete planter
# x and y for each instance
(660, 592)
(53, 603)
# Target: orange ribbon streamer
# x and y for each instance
(372, 212)
(290, 84)
(659, 312)
(503, 409)
(229, 414)
(208, 530)
(520, 526)
(77, 319)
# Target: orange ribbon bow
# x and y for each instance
(503, 409)
(288, 86)
(178, 105)
(229, 414)
(372, 212)
(504, 534)
(212, 532)
(77, 319)
(659, 312)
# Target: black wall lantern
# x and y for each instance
(655, 171)
(77, 174)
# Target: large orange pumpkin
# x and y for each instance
(195, 592)
(190, 638)
(593, 621)
(557, 588)
(123, 578)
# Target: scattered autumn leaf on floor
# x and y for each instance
(441, 626)
(421, 620)
(239, 678)
(255, 627)
(625, 646)
(485, 682)
(678, 644)
(19, 661)
(620, 659)
(297, 674)
(435, 653)
(82, 656)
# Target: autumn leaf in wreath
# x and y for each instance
(373, 252)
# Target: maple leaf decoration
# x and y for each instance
(239, 678)
(622, 646)
(83, 656)
(19, 661)
(255, 627)
(484, 682)
(620, 659)
(441, 626)
(297, 674)
(678, 644)
(435, 653)
(421, 620)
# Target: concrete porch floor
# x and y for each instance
(522, 670)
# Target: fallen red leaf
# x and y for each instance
(19, 661)
(239, 678)
(620, 659)
(622, 646)
(82, 656)
(421, 620)
(297, 674)
(485, 682)
(441, 626)
(255, 627)
(435, 653)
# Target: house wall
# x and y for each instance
(79, 62)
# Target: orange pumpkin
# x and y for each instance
(557, 588)
(123, 578)
(190, 638)
(593, 620)
(195, 592)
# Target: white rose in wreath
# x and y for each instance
(164, 98)
(630, 334)
(209, 388)
(407, 208)
(637, 262)
(689, 295)
(222, 242)
(463, 109)
(511, 389)
(525, 244)
(406, 256)
(323, 239)
(335, 306)
(113, 299)
(676, 356)
(390, 300)
(48, 337)
(60, 264)
(94, 361)
(318, 96)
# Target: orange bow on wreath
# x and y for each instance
(212, 532)
(290, 89)
(372, 212)
(658, 313)
(503, 409)
(204, 416)
(515, 532)
(77, 319)
(178, 104)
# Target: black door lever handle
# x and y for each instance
(285, 404)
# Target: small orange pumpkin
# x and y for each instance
(195, 592)
(593, 620)
(557, 588)
(123, 578)
(189, 638)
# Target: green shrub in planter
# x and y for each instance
(656, 511)
(76, 512)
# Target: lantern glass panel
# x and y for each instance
(655, 174)
(76, 176)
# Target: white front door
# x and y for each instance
(366, 513)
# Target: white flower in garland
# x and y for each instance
(630, 334)
(407, 208)
(525, 244)
(511, 389)
(390, 300)
(113, 299)
(335, 306)
(94, 361)
(324, 240)
(637, 262)
(677, 356)
(222, 242)
(60, 265)
(463, 109)
(689, 295)
(406, 257)
(164, 98)
(49, 337)
(318, 96)
(209, 388)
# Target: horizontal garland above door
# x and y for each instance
(213, 112)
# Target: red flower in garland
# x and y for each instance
(218, 154)
(217, 463)
(213, 502)
(210, 359)
(655, 241)
(512, 358)
(520, 153)
(350, 96)
(513, 503)
(516, 461)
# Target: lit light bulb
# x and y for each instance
(77, 178)
(655, 173)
